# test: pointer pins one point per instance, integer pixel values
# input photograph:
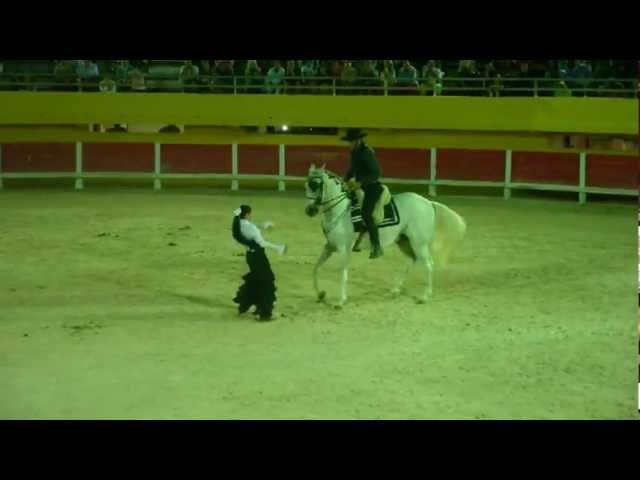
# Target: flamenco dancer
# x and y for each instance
(259, 287)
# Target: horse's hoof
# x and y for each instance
(423, 300)
(338, 306)
(321, 296)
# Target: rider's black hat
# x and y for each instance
(353, 134)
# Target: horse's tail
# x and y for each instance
(449, 232)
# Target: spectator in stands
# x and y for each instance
(388, 74)
(291, 69)
(223, 71)
(603, 69)
(324, 72)
(561, 90)
(122, 69)
(348, 77)
(580, 75)
(537, 69)
(65, 74)
(308, 71)
(87, 70)
(189, 74)
(308, 68)
(87, 73)
(431, 79)
(495, 85)
(489, 69)
(291, 74)
(524, 82)
(138, 83)
(369, 77)
(408, 78)
(205, 67)
(582, 69)
(625, 69)
(336, 68)
(563, 66)
(275, 78)
(468, 69)
(108, 85)
(253, 77)
(224, 68)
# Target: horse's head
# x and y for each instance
(322, 188)
(314, 189)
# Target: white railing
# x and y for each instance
(431, 179)
(260, 84)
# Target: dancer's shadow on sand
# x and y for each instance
(204, 301)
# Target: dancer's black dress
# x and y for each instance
(259, 287)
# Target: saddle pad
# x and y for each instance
(391, 216)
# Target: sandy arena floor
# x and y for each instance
(535, 318)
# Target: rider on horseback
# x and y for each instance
(364, 173)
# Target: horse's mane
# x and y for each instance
(334, 175)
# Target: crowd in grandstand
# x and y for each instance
(557, 77)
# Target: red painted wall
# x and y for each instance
(196, 158)
(117, 157)
(410, 163)
(612, 171)
(540, 167)
(299, 158)
(258, 159)
(459, 164)
(453, 164)
(38, 157)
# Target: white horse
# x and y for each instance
(427, 230)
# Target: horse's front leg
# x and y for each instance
(344, 263)
(324, 256)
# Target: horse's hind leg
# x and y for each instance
(324, 256)
(424, 257)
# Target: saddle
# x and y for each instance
(378, 210)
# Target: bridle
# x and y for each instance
(333, 201)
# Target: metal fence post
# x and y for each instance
(433, 155)
(234, 166)
(334, 87)
(507, 174)
(582, 196)
(79, 181)
(281, 167)
(157, 158)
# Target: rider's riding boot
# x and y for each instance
(376, 252)
(356, 247)
(375, 243)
